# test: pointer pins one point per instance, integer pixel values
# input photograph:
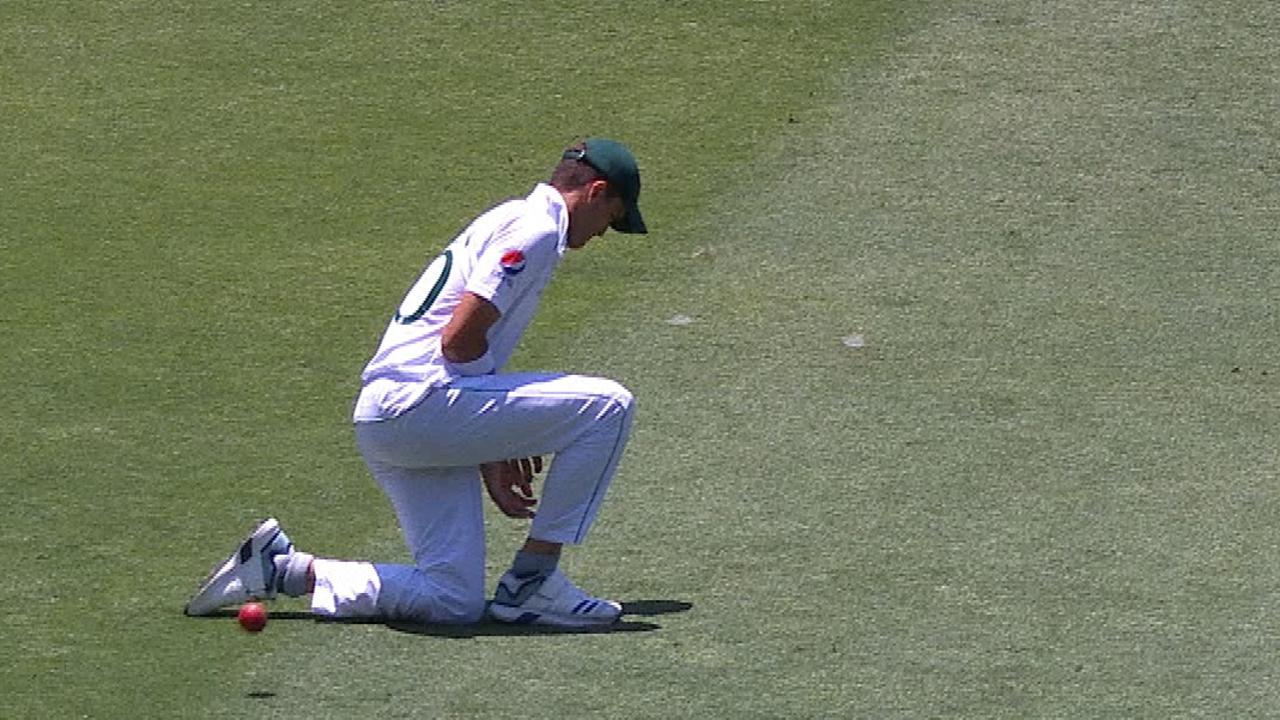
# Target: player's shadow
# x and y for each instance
(492, 628)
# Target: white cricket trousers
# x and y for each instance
(427, 461)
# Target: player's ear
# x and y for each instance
(597, 189)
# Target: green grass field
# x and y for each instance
(1043, 484)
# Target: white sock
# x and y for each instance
(291, 573)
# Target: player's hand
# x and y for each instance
(510, 485)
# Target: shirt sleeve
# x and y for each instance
(514, 260)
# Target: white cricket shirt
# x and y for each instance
(506, 256)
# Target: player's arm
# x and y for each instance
(465, 339)
(465, 344)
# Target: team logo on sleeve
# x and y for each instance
(512, 262)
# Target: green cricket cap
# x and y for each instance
(615, 162)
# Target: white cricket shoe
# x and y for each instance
(554, 601)
(249, 573)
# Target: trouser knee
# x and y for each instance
(457, 600)
(616, 395)
(461, 610)
(411, 594)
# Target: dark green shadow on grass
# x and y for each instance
(490, 628)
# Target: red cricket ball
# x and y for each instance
(252, 616)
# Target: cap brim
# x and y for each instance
(632, 222)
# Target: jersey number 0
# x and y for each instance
(439, 269)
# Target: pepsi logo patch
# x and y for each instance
(512, 262)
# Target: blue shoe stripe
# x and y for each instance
(585, 606)
(246, 550)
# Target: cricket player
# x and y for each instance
(436, 419)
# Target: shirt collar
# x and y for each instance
(553, 201)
